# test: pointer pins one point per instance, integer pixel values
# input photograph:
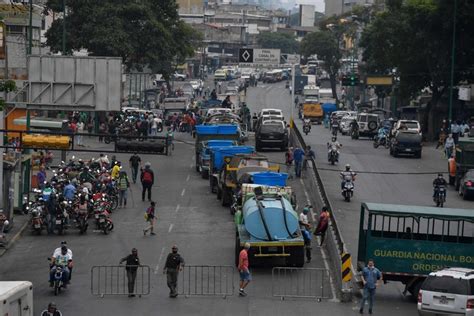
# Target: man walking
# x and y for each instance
(323, 224)
(370, 277)
(298, 155)
(150, 218)
(148, 179)
(306, 232)
(289, 162)
(135, 163)
(174, 264)
(123, 185)
(131, 266)
(243, 268)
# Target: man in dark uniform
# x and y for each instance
(132, 263)
(174, 264)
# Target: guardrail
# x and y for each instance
(300, 283)
(114, 280)
(205, 280)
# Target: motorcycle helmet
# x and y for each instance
(348, 167)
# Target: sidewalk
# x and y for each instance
(20, 223)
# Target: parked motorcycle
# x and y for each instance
(348, 190)
(440, 195)
(103, 220)
(37, 220)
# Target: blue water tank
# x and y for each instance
(220, 142)
(270, 178)
(224, 129)
(228, 151)
(272, 211)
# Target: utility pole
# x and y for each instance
(453, 60)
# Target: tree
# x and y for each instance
(6, 86)
(285, 42)
(326, 45)
(144, 33)
(414, 39)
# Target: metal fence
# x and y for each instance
(301, 283)
(204, 280)
(113, 280)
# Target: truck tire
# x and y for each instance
(226, 198)
(296, 258)
(219, 193)
(418, 155)
(197, 165)
(414, 289)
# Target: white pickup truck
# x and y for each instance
(16, 298)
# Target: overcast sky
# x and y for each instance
(318, 3)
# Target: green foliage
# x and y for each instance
(285, 42)
(6, 86)
(143, 33)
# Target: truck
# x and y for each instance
(16, 298)
(205, 156)
(228, 181)
(267, 221)
(300, 82)
(408, 242)
(311, 106)
(464, 158)
(207, 132)
(175, 104)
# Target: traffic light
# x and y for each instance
(350, 80)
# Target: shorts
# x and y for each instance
(245, 276)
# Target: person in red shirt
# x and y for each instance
(323, 224)
(243, 268)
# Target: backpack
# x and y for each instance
(147, 176)
(123, 183)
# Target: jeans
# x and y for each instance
(146, 186)
(123, 197)
(131, 276)
(369, 294)
(134, 174)
(172, 280)
(298, 168)
(154, 131)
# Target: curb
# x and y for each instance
(14, 239)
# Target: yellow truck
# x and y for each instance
(313, 111)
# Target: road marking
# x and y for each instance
(183, 192)
(323, 254)
(188, 177)
(177, 208)
(159, 260)
(171, 227)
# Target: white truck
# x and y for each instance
(16, 298)
(311, 80)
(311, 93)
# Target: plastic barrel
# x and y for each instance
(270, 178)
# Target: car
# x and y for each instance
(271, 135)
(345, 124)
(368, 124)
(196, 84)
(466, 187)
(179, 77)
(411, 125)
(449, 291)
(274, 112)
(406, 143)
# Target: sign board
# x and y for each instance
(379, 80)
(259, 56)
(464, 93)
(74, 82)
(290, 59)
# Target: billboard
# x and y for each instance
(74, 82)
(307, 14)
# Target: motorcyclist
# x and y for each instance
(382, 133)
(347, 174)
(334, 145)
(334, 126)
(438, 182)
(65, 261)
(307, 123)
(52, 310)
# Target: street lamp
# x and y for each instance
(453, 58)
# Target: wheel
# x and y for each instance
(219, 193)
(395, 153)
(225, 198)
(114, 203)
(296, 258)
(110, 225)
(461, 193)
(347, 197)
(441, 203)
(418, 155)
(372, 125)
(60, 230)
(212, 185)
(376, 144)
(332, 161)
(415, 289)
(437, 203)
(105, 229)
(56, 288)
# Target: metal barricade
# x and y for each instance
(113, 280)
(204, 280)
(301, 283)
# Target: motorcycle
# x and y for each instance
(82, 223)
(348, 190)
(354, 132)
(333, 156)
(103, 220)
(37, 220)
(60, 222)
(382, 141)
(57, 278)
(334, 129)
(306, 129)
(440, 195)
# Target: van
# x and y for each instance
(16, 298)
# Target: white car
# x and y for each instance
(447, 292)
(411, 125)
(196, 84)
(179, 77)
(271, 112)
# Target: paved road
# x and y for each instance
(189, 216)
(403, 185)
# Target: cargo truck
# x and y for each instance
(464, 158)
(205, 155)
(408, 242)
(16, 298)
(312, 109)
(267, 220)
(216, 132)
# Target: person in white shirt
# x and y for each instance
(64, 260)
(57, 251)
(80, 129)
(306, 231)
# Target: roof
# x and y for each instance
(463, 273)
(409, 210)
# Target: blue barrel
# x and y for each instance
(224, 129)
(270, 178)
(219, 153)
(274, 218)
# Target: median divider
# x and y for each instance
(334, 244)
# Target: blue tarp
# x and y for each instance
(224, 129)
(219, 153)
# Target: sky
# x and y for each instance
(318, 3)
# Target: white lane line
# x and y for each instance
(171, 227)
(183, 192)
(323, 253)
(188, 177)
(177, 208)
(159, 260)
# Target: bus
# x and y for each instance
(408, 242)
